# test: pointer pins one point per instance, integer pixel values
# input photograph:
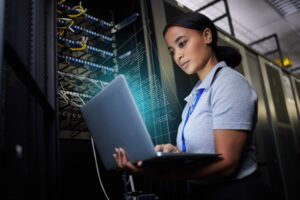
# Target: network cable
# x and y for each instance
(97, 168)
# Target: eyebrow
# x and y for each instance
(176, 41)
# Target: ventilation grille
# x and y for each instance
(285, 7)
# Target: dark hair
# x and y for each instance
(199, 22)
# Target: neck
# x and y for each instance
(212, 61)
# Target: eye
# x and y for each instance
(171, 52)
(182, 43)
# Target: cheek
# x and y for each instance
(202, 51)
(197, 52)
(199, 47)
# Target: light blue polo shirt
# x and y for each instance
(228, 102)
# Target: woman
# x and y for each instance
(219, 116)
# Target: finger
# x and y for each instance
(159, 148)
(115, 157)
(130, 166)
(171, 148)
(124, 159)
(125, 163)
(139, 163)
(134, 168)
(177, 150)
(119, 160)
(168, 148)
(156, 148)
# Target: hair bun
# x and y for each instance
(230, 55)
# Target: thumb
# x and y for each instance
(139, 163)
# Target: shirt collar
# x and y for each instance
(206, 83)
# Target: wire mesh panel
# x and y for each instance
(93, 48)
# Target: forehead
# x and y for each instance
(175, 32)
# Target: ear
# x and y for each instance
(207, 35)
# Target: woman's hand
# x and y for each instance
(123, 163)
(166, 148)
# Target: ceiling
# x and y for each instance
(255, 19)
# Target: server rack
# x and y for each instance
(283, 128)
(96, 43)
(291, 104)
(296, 89)
(1, 69)
(268, 150)
(268, 163)
(29, 146)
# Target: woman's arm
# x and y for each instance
(123, 163)
(228, 143)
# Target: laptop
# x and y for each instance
(114, 121)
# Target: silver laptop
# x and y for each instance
(114, 121)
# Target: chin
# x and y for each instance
(189, 72)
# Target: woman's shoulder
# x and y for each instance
(228, 75)
(230, 81)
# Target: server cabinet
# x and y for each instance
(264, 140)
(295, 83)
(292, 108)
(266, 143)
(95, 43)
(29, 151)
(296, 90)
(93, 48)
(283, 128)
(266, 149)
(1, 70)
(243, 67)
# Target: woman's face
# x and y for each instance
(189, 48)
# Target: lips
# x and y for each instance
(184, 64)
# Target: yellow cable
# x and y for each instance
(77, 8)
(66, 27)
(60, 45)
(71, 24)
(61, 32)
(61, 1)
(79, 48)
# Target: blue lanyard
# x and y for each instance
(190, 111)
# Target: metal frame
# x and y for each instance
(227, 14)
(242, 52)
(297, 94)
(291, 106)
(297, 110)
(2, 4)
(264, 138)
(19, 68)
(278, 49)
(40, 132)
(271, 111)
(165, 60)
(286, 175)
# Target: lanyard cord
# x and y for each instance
(190, 111)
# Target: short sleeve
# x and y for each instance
(234, 104)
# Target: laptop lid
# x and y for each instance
(113, 120)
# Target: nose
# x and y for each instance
(178, 57)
